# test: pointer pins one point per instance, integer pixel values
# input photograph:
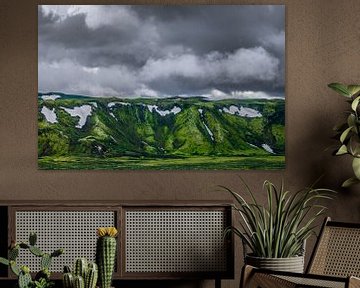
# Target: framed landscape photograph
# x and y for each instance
(175, 87)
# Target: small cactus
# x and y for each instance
(91, 276)
(80, 268)
(68, 280)
(106, 254)
(89, 272)
(79, 282)
(24, 278)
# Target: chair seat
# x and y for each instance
(315, 282)
(269, 279)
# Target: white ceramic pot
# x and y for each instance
(291, 264)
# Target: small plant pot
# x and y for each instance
(291, 264)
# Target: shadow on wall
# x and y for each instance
(333, 170)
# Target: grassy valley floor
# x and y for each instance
(193, 163)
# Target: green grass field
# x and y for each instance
(193, 163)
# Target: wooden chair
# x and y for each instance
(335, 262)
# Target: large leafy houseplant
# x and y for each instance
(349, 131)
(279, 228)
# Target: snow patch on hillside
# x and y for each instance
(243, 111)
(94, 104)
(206, 127)
(112, 104)
(175, 110)
(49, 115)
(50, 97)
(82, 112)
(267, 148)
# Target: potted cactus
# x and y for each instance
(42, 278)
(84, 275)
(106, 254)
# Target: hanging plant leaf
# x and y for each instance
(340, 88)
(345, 134)
(355, 103)
(356, 167)
(342, 150)
(353, 89)
(349, 182)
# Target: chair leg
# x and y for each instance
(246, 274)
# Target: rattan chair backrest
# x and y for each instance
(337, 252)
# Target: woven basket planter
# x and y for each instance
(291, 264)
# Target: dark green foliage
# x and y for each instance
(42, 283)
(32, 239)
(4, 261)
(57, 252)
(133, 132)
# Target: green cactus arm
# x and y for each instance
(24, 280)
(14, 268)
(24, 245)
(57, 252)
(32, 238)
(67, 269)
(45, 261)
(4, 261)
(36, 251)
(68, 280)
(80, 267)
(91, 276)
(79, 282)
(13, 253)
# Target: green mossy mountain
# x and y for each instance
(161, 128)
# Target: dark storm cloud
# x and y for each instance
(161, 50)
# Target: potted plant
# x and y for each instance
(276, 233)
(349, 131)
(42, 278)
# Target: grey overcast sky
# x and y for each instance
(217, 51)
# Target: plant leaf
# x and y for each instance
(345, 134)
(353, 89)
(355, 103)
(342, 150)
(349, 182)
(340, 88)
(356, 167)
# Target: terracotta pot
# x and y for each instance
(291, 264)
